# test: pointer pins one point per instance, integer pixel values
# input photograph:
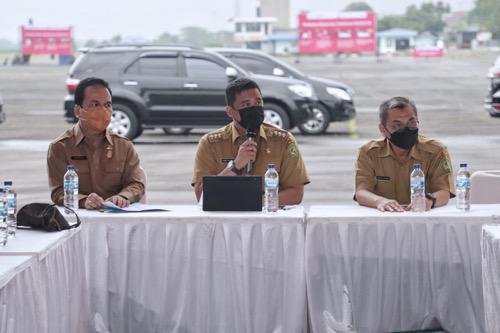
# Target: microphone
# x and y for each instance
(251, 137)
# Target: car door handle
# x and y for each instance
(190, 85)
(130, 83)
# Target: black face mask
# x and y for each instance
(405, 137)
(251, 117)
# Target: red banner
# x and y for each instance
(337, 32)
(430, 52)
(47, 41)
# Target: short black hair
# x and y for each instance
(394, 103)
(236, 87)
(88, 82)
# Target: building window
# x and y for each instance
(239, 27)
(253, 27)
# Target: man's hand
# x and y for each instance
(93, 201)
(389, 205)
(119, 201)
(246, 152)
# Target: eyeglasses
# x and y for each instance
(396, 126)
(94, 105)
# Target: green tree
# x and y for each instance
(429, 17)
(197, 36)
(166, 38)
(487, 14)
(389, 22)
(116, 39)
(358, 6)
(91, 43)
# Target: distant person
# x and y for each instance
(383, 167)
(107, 164)
(226, 151)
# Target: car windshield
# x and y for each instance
(295, 72)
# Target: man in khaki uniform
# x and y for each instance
(383, 167)
(107, 164)
(227, 151)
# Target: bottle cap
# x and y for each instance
(7, 183)
(271, 166)
(463, 165)
(71, 166)
(416, 166)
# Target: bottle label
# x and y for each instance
(70, 185)
(417, 183)
(272, 183)
(463, 182)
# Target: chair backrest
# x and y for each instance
(485, 187)
(143, 175)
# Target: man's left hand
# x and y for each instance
(119, 201)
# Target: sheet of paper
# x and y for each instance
(135, 207)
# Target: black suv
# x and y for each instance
(492, 101)
(335, 98)
(180, 87)
(2, 112)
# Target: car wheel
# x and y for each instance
(319, 122)
(177, 131)
(275, 115)
(124, 122)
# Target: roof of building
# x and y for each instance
(397, 32)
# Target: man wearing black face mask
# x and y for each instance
(384, 166)
(227, 151)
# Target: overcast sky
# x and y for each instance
(102, 19)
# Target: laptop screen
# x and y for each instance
(238, 193)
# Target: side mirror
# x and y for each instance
(278, 72)
(231, 72)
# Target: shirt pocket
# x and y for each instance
(114, 174)
(384, 186)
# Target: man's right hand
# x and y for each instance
(389, 205)
(94, 201)
(246, 152)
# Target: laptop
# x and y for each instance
(238, 193)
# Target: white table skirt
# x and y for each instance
(491, 276)
(47, 292)
(401, 271)
(193, 271)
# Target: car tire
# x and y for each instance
(318, 124)
(276, 115)
(124, 121)
(177, 131)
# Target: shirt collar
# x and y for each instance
(387, 151)
(235, 135)
(79, 136)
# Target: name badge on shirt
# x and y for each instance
(78, 158)
(383, 177)
(226, 160)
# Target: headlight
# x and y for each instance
(302, 90)
(339, 93)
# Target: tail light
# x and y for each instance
(497, 107)
(71, 84)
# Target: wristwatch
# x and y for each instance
(431, 197)
(232, 166)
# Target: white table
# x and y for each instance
(194, 271)
(491, 276)
(401, 271)
(42, 281)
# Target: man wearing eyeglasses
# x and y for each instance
(383, 167)
(107, 164)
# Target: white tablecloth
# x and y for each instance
(491, 276)
(194, 271)
(42, 283)
(400, 271)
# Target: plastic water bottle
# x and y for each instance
(3, 218)
(463, 188)
(70, 189)
(271, 181)
(417, 189)
(11, 197)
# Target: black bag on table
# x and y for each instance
(44, 217)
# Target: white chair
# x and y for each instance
(143, 176)
(485, 187)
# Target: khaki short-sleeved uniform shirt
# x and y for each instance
(274, 145)
(378, 171)
(112, 169)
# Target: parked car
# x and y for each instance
(177, 87)
(492, 101)
(335, 98)
(2, 112)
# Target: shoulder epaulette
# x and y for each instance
(219, 135)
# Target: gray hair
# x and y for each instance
(394, 103)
